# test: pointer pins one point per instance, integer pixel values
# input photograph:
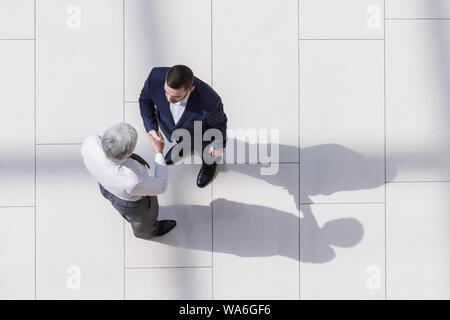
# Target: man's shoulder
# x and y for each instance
(206, 93)
(94, 138)
(158, 73)
(89, 143)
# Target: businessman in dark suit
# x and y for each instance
(174, 98)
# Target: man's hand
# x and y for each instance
(215, 152)
(156, 135)
(157, 141)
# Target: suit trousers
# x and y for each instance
(141, 214)
(205, 146)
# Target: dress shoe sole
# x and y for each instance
(167, 231)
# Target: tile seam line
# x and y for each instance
(385, 155)
(185, 267)
(299, 144)
(341, 39)
(212, 183)
(417, 19)
(59, 144)
(418, 181)
(123, 120)
(35, 157)
(17, 207)
(318, 203)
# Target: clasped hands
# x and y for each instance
(157, 142)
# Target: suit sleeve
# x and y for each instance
(147, 107)
(217, 119)
(149, 186)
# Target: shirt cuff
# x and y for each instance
(159, 159)
(217, 144)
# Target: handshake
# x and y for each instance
(156, 140)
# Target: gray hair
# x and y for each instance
(119, 141)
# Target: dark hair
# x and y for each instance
(180, 76)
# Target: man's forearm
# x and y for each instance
(217, 119)
(147, 107)
(148, 116)
(153, 185)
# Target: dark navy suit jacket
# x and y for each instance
(204, 104)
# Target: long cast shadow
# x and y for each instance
(324, 170)
(259, 231)
(248, 230)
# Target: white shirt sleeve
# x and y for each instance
(152, 186)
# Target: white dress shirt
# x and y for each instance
(178, 108)
(128, 180)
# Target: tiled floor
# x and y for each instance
(358, 207)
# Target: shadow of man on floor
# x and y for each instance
(257, 231)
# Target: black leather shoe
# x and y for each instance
(168, 156)
(206, 174)
(164, 226)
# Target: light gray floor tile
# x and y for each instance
(417, 9)
(418, 252)
(17, 123)
(79, 68)
(255, 232)
(342, 251)
(255, 67)
(342, 121)
(418, 99)
(17, 19)
(169, 284)
(341, 19)
(165, 33)
(17, 253)
(79, 234)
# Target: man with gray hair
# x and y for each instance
(124, 179)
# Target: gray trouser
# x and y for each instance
(142, 214)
